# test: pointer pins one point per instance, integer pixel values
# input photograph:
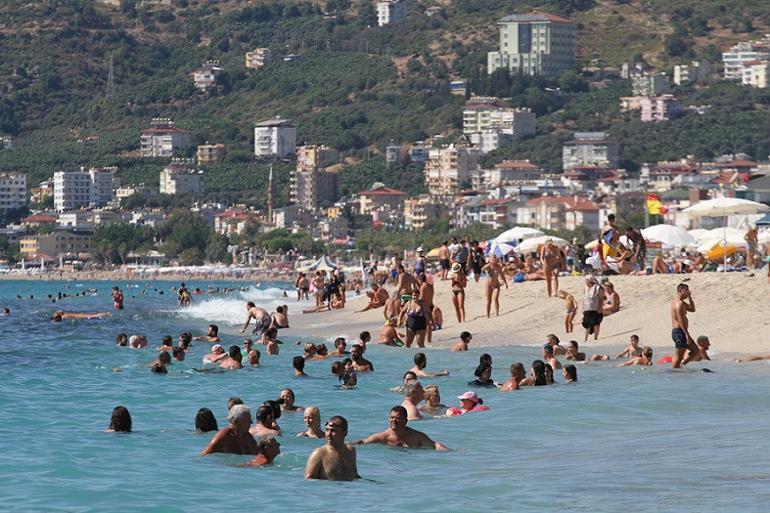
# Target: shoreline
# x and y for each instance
(251, 277)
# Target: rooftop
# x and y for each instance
(517, 164)
(383, 191)
(534, 17)
(275, 122)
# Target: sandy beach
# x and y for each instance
(732, 309)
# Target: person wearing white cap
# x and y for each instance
(399, 435)
(234, 438)
(216, 354)
(469, 402)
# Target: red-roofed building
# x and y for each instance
(35, 220)
(232, 222)
(494, 212)
(556, 212)
(381, 198)
(512, 172)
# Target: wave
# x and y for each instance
(231, 309)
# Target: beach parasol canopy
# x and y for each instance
(433, 253)
(698, 233)
(518, 232)
(723, 207)
(668, 235)
(531, 245)
(591, 246)
(499, 249)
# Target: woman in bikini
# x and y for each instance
(550, 257)
(417, 319)
(495, 274)
(459, 282)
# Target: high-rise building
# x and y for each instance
(76, 189)
(163, 139)
(660, 108)
(590, 149)
(13, 190)
(210, 153)
(450, 169)
(390, 11)
(275, 137)
(696, 71)
(181, 177)
(742, 53)
(534, 44)
(310, 184)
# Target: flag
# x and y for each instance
(654, 206)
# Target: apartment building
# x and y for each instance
(737, 56)
(232, 222)
(310, 184)
(590, 149)
(420, 210)
(206, 76)
(381, 198)
(485, 113)
(696, 72)
(650, 84)
(450, 169)
(13, 190)
(163, 139)
(512, 172)
(181, 177)
(58, 242)
(210, 153)
(77, 189)
(275, 137)
(756, 74)
(660, 108)
(534, 44)
(259, 58)
(390, 11)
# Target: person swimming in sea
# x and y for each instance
(398, 434)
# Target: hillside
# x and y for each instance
(354, 85)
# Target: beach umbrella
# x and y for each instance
(764, 237)
(698, 233)
(433, 253)
(591, 246)
(668, 235)
(530, 245)
(516, 233)
(499, 249)
(725, 207)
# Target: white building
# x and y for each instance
(181, 177)
(76, 189)
(163, 139)
(738, 55)
(450, 169)
(390, 11)
(590, 149)
(275, 137)
(206, 76)
(696, 71)
(13, 190)
(259, 58)
(484, 113)
(534, 44)
(649, 84)
(756, 74)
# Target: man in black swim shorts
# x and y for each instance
(680, 334)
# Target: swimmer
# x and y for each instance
(420, 362)
(339, 347)
(321, 352)
(553, 341)
(536, 376)
(117, 298)
(462, 345)
(235, 438)
(549, 358)
(360, 364)
(267, 450)
(549, 374)
(312, 418)
(632, 350)
(364, 338)
(570, 374)
(253, 357)
(121, 340)
(233, 360)
(413, 396)
(469, 402)
(212, 335)
(178, 353)
(571, 306)
(432, 405)
(399, 434)
(644, 360)
(281, 317)
(573, 353)
(408, 376)
(159, 365)
(217, 353)
(298, 362)
(264, 424)
(389, 335)
(335, 461)
(120, 422)
(484, 376)
(286, 400)
(345, 373)
(701, 354)
(167, 344)
(517, 375)
(6, 312)
(60, 315)
(205, 421)
(262, 320)
(680, 333)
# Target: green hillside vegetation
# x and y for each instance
(354, 87)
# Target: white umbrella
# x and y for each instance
(531, 245)
(698, 233)
(764, 237)
(518, 232)
(595, 243)
(668, 235)
(499, 249)
(724, 207)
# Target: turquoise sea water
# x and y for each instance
(619, 440)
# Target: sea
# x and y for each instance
(618, 440)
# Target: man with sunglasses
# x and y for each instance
(335, 461)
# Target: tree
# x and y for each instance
(182, 231)
(571, 82)
(216, 248)
(113, 243)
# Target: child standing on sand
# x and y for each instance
(571, 304)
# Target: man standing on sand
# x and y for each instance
(335, 461)
(399, 435)
(443, 258)
(680, 333)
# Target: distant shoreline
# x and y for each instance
(117, 276)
